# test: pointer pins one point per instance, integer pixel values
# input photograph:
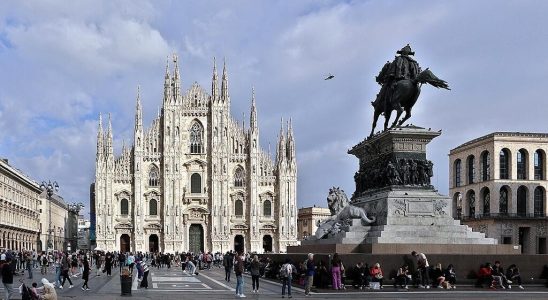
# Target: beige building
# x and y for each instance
(19, 203)
(196, 179)
(498, 183)
(308, 220)
(58, 217)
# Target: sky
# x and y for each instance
(64, 62)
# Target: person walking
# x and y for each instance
(108, 264)
(336, 272)
(423, 269)
(255, 273)
(7, 276)
(44, 263)
(286, 273)
(144, 281)
(65, 272)
(239, 270)
(85, 274)
(310, 269)
(228, 263)
(28, 261)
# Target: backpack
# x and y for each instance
(283, 271)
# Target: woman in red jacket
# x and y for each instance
(376, 274)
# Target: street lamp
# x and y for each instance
(50, 188)
(74, 209)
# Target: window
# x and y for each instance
(239, 177)
(522, 201)
(522, 164)
(486, 202)
(485, 166)
(239, 208)
(196, 138)
(503, 200)
(539, 202)
(471, 203)
(539, 165)
(457, 172)
(124, 207)
(153, 207)
(471, 170)
(503, 161)
(267, 208)
(195, 183)
(153, 176)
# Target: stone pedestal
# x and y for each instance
(393, 184)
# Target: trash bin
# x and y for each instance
(126, 280)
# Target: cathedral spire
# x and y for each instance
(138, 110)
(253, 115)
(167, 84)
(224, 84)
(100, 138)
(109, 150)
(290, 141)
(214, 84)
(281, 144)
(176, 78)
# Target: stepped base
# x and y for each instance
(330, 248)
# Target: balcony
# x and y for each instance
(506, 216)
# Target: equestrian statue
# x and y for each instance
(401, 82)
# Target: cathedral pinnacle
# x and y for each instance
(176, 79)
(109, 150)
(224, 84)
(100, 146)
(281, 144)
(253, 116)
(214, 84)
(138, 110)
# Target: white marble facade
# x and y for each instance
(196, 179)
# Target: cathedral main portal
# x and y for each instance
(196, 238)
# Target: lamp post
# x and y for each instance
(74, 208)
(50, 188)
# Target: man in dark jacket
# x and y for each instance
(7, 278)
(228, 263)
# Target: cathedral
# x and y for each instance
(196, 179)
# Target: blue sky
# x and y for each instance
(63, 62)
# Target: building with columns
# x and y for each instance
(19, 204)
(54, 216)
(196, 179)
(498, 183)
(308, 220)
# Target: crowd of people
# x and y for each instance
(322, 274)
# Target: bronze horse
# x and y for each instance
(404, 96)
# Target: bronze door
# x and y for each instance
(195, 238)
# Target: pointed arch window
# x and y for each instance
(153, 177)
(239, 177)
(195, 183)
(239, 208)
(124, 207)
(196, 138)
(153, 207)
(267, 208)
(539, 202)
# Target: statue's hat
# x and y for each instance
(406, 50)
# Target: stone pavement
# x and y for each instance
(166, 284)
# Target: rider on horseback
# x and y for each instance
(403, 67)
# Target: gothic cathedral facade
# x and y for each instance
(196, 180)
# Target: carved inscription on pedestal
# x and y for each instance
(420, 208)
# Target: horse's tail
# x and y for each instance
(427, 76)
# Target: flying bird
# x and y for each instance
(330, 76)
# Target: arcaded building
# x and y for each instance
(308, 220)
(196, 179)
(498, 183)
